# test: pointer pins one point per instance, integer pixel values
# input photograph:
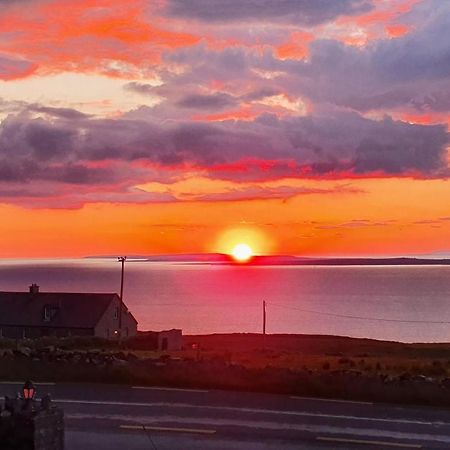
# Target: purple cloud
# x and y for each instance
(298, 146)
(212, 101)
(299, 12)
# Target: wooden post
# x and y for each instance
(122, 260)
(264, 317)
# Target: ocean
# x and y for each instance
(382, 302)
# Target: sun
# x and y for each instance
(242, 252)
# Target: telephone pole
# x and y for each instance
(264, 317)
(122, 260)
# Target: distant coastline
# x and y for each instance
(281, 260)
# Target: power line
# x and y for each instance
(345, 316)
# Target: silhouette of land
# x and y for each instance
(280, 260)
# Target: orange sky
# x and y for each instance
(384, 218)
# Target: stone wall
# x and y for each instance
(42, 430)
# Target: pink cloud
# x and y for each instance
(88, 35)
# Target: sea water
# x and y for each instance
(383, 302)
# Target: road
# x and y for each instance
(137, 418)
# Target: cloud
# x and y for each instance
(140, 88)
(356, 223)
(211, 101)
(411, 71)
(116, 38)
(95, 151)
(63, 113)
(256, 192)
(299, 12)
(12, 68)
(260, 92)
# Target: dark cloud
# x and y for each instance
(36, 139)
(299, 12)
(63, 113)
(261, 93)
(341, 144)
(212, 101)
(437, 99)
(140, 88)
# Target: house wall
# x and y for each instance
(18, 332)
(108, 325)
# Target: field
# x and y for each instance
(319, 353)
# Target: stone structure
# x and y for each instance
(27, 425)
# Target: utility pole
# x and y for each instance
(264, 317)
(122, 260)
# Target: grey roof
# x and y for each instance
(74, 310)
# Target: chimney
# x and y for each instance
(34, 289)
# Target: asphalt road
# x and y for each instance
(133, 418)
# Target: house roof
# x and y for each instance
(72, 310)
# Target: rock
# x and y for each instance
(25, 351)
(119, 363)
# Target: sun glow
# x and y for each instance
(242, 252)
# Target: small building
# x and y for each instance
(166, 340)
(36, 314)
(170, 340)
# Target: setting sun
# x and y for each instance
(242, 252)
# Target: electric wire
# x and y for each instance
(345, 316)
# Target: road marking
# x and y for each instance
(316, 399)
(248, 410)
(363, 441)
(253, 424)
(156, 388)
(171, 429)
(132, 427)
(22, 382)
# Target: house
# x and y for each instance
(35, 314)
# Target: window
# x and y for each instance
(49, 312)
(116, 312)
(47, 316)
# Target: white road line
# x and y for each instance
(170, 429)
(249, 410)
(333, 400)
(317, 430)
(363, 441)
(156, 388)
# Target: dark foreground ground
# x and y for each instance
(137, 417)
(296, 365)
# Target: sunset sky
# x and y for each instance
(299, 127)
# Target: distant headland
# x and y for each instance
(281, 260)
